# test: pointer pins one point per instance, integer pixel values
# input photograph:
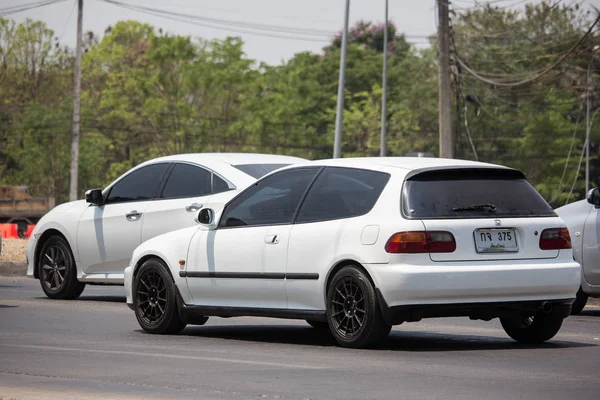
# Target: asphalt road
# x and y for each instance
(93, 348)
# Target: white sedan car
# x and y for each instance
(355, 246)
(583, 220)
(91, 241)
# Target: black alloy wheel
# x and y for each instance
(154, 299)
(57, 270)
(353, 312)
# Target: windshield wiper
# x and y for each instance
(477, 207)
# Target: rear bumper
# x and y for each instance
(484, 311)
(128, 282)
(452, 285)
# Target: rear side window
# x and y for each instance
(342, 193)
(472, 193)
(258, 170)
(187, 181)
(141, 184)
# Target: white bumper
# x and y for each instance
(128, 282)
(466, 282)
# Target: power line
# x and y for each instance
(26, 7)
(533, 78)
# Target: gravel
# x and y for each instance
(13, 250)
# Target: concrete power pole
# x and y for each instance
(445, 91)
(76, 115)
(339, 117)
(383, 145)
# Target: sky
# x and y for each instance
(415, 18)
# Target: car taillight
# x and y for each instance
(421, 242)
(555, 239)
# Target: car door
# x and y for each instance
(242, 263)
(187, 189)
(326, 231)
(591, 247)
(107, 234)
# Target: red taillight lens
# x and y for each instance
(555, 239)
(421, 242)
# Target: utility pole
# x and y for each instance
(339, 117)
(445, 100)
(76, 114)
(587, 130)
(383, 146)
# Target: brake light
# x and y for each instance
(421, 242)
(555, 239)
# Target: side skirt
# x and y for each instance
(190, 313)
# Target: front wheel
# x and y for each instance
(352, 310)
(57, 270)
(154, 299)
(532, 329)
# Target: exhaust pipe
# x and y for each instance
(546, 307)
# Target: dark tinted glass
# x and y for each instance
(187, 181)
(141, 184)
(455, 194)
(342, 193)
(271, 201)
(219, 185)
(258, 170)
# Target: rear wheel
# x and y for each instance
(154, 299)
(532, 329)
(57, 270)
(352, 310)
(580, 300)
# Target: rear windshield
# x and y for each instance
(472, 193)
(258, 170)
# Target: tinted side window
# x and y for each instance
(187, 181)
(141, 184)
(219, 185)
(258, 170)
(342, 193)
(271, 201)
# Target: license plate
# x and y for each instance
(495, 240)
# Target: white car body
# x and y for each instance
(283, 270)
(102, 238)
(583, 221)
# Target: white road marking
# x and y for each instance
(175, 356)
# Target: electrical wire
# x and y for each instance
(537, 76)
(26, 7)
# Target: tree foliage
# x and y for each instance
(146, 93)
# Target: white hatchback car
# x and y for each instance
(90, 241)
(355, 246)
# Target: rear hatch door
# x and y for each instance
(493, 213)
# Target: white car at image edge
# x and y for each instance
(354, 246)
(90, 241)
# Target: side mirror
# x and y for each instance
(206, 218)
(94, 196)
(593, 197)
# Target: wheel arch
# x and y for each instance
(341, 264)
(147, 257)
(48, 233)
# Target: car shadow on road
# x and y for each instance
(94, 298)
(414, 341)
(590, 312)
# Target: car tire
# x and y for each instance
(154, 299)
(353, 312)
(580, 301)
(534, 329)
(57, 270)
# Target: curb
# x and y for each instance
(9, 268)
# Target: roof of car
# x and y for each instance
(407, 163)
(233, 158)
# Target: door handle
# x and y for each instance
(272, 239)
(193, 207)
(133, 215)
